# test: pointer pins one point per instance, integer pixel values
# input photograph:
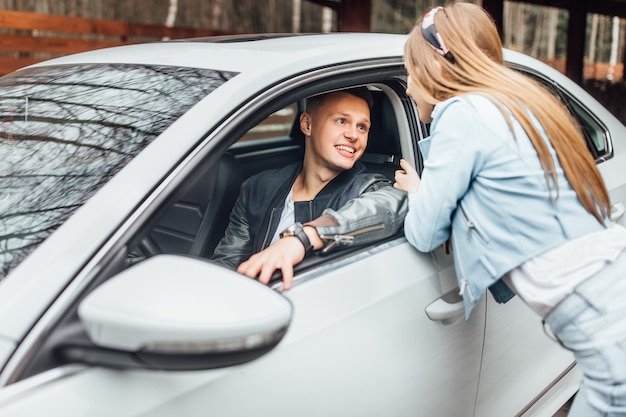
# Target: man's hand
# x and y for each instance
(406, 178)
(284, 254)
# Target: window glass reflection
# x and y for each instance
(65, 130)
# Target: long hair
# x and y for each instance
(478, 67)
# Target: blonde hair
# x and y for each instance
(478, 67)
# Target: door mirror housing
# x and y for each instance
(175, 312)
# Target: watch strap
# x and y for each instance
(297, 230)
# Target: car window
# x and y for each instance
(65, 130)
(595, 133)
(278, 124)
(194, 221)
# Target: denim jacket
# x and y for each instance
(483, 185)
(364, 204)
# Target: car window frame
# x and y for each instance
(572, 104)
(389, 72)
(404, 110)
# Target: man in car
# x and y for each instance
(327, 201)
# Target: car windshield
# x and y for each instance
(65, 130)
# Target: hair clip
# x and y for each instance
(433, 37)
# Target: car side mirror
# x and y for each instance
(175, 312)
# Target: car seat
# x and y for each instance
(196, 222)
(383, 146)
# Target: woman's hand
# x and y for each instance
(406, 178)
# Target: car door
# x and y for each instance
(387, 356)
(359, 344)
(523, 368)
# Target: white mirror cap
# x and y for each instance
(175, 304)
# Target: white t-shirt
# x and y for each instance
(545, 280)
(287, 218)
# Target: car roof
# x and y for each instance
(249, 53)
(263, 51)
(266, 57)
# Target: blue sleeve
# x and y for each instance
(453, 159)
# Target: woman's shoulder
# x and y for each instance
(472, 103)
(470, 110)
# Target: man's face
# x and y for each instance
(338, 131)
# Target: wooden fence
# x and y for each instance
(27, 38)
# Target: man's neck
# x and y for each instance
(310, 182)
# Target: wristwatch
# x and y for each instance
(297, 230)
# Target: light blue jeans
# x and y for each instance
(591, 323)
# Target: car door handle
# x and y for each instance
(446, 308)
(617, 212)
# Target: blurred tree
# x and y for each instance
(296, 15)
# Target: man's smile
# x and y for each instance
(345, 148)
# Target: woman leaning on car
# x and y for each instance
(509, 181)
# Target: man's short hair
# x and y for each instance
(315, 102)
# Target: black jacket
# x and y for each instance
(365, 205)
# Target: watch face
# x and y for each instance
(294, 228)
(297, 230)
(291, 230)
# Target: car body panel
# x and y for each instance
(513, 361)
(365, 367)
(7, 347)
(278, 56)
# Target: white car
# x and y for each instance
(118, 171)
